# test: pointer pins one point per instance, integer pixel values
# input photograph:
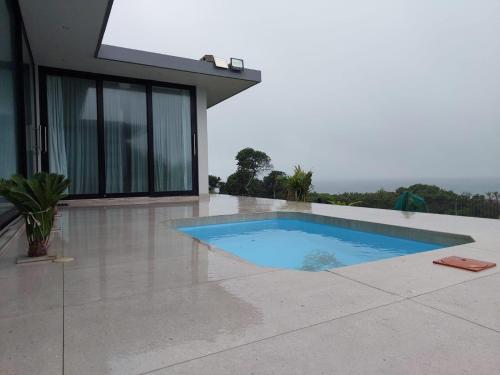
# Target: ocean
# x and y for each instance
(458, 185)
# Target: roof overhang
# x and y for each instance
(67, 34)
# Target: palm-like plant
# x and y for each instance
(299, 184)
(36, 199)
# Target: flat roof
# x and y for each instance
(67, 34)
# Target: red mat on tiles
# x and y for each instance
(465, 263)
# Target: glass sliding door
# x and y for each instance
(125, 137)
(72, 132)
(8, 93)
(117, 136)
(17, 113)
(9, 164)
(173, 160)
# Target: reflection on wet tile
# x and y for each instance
(403, 338)
(114, 280)
(151, 330)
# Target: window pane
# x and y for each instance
(172, 139)
(8, 116)
(72, 132)
(126, 137)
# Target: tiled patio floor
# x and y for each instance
(142, 298)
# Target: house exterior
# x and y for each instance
(118, 122)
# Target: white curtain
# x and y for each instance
(72, 132)
(58, 160)
(126, 147)
(172, 139)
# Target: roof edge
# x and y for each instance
(103, 27)
(158, 60)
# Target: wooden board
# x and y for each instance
(465, 263)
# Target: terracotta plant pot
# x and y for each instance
(38, 228)
(38, 248)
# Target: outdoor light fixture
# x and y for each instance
(237, 64)
(217, 61)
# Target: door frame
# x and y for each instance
(44, 71)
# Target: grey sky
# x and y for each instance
(351, 89)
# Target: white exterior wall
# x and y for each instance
(202, 133)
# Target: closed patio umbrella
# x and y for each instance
(410, 202)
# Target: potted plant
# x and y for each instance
(36, 199)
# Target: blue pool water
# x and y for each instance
(303, 245)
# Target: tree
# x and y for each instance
(251, 163)
(299, 184)
(275, 185)
(213, 182)
(237, 184)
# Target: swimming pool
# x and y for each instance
(303, 244)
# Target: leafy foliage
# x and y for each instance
(213, 182)
(251, 163)
(439, 201)
(340, 203)
(238, 184)
(275, 185)
(299, 185)
(36, 199)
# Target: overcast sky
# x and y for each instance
(350, 89)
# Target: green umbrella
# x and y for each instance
(410, 202)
